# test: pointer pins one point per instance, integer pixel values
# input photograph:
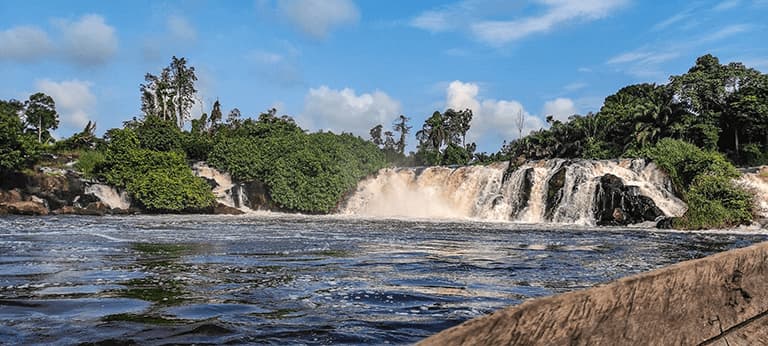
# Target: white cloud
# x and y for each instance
(179, 28)
(89, 40)
(560, 108)
(558, 12)
(434, 21)
(24, 44)
(344, 110)
(74, 100)
(318, 17)
(491, 118)
(671, 21)
(575, 86)
(644, 63)
(86, 41)
(726, 32)
(727, 5)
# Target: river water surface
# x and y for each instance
(279, 279)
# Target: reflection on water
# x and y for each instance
(294, 279)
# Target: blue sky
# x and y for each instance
(347, 65)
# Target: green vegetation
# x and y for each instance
(161, 181)
(705, 180)
(304, 172)
(88, 161)
(713, 106)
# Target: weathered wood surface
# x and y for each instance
(718, 300)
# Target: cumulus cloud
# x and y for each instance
(496, 119)
(74, 100)
(88, 40)
(317, 18)
(345, 110)
(560, 108)
(24, 44)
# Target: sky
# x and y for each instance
(346, 65)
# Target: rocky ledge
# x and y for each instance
(718, 300)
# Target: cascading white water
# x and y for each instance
(757, 183)
(110, 196)
(226, 191)
(482, 192)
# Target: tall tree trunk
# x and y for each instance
(40, 130)
(736, 140)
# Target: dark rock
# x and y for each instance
(255, 196)
(555, 190)
(57, 190)
(226, 210)
(665, 223)
(81, 201)
(717, 300)
(23, 208)
(618, 205)
(525, 193)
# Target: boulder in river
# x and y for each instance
(617, 204)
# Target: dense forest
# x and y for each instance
(696, 127)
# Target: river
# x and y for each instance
(291, 279)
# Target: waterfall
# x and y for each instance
(757, 182)
(224, 188)
(110, 196)
(560, 191)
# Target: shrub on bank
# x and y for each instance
(160, 181)
(705, 181)
(303, 172)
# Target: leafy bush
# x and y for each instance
(754, 155)
(685, 161)
(171, 189)
(714, 202)
(157, 134)
(160, 181)
(197, 145)
(88, 162)
(303, 172)
(705, 180)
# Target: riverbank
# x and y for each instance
(718, 300)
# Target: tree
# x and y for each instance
(171, 95)
(376, 135)
(389, 141)
(11, 135)
(183, 82)
(216, 115)
(520, 122)
(233, 117)
(40, 114)
(401, 127)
